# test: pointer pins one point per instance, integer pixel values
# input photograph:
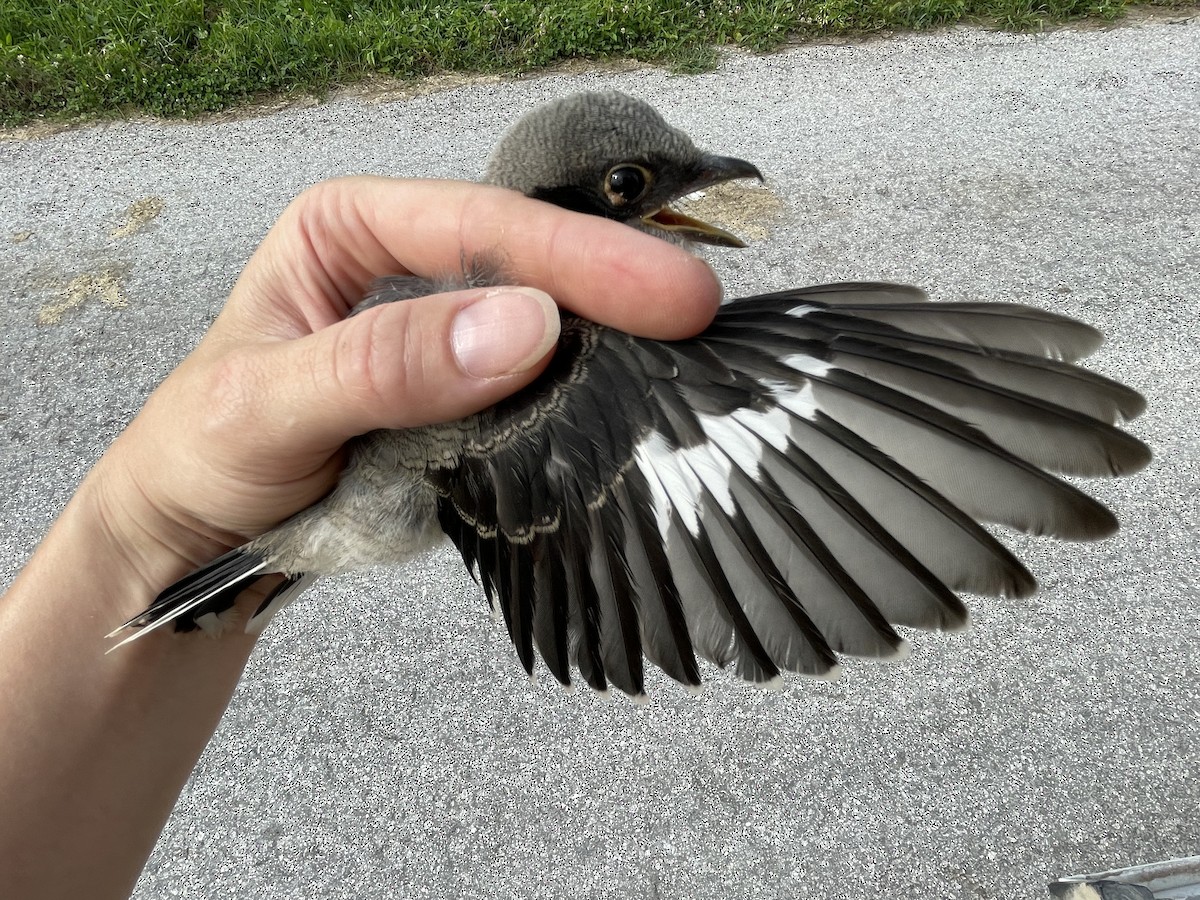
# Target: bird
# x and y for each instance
(1100, 889)
(791, 486)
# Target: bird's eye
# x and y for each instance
(625, 184)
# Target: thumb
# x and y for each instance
(413, 362)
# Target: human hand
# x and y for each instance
(245, 432)
(249, 428)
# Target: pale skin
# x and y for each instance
(95, 748)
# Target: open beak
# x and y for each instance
(714, 170)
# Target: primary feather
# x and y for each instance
(788, 486)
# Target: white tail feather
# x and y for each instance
(178, 611)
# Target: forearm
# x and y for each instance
(95, 748)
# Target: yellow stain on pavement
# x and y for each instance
(104, 285)
(140, 214)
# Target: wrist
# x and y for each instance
(132, 546)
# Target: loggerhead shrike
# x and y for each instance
(787, 486)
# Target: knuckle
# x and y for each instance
(373, 359)
(233, 392)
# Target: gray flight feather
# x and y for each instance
(808, 473)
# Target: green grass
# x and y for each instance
(67, 58)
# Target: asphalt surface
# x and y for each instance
(385, 743)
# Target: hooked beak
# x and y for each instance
(713, 170)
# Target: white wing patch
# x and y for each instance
(652, 457)
(678, 477)
(802, 403)
(771, 426)
(734, 444)
(803, 310)
(809, 365)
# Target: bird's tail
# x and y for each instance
(211, 590)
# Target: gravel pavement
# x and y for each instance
(385, 743)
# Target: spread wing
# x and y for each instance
(790, 485)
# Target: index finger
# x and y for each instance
(353, 230)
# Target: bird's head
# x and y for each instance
(612, 155)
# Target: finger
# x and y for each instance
(433, 359)
(354, 229)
